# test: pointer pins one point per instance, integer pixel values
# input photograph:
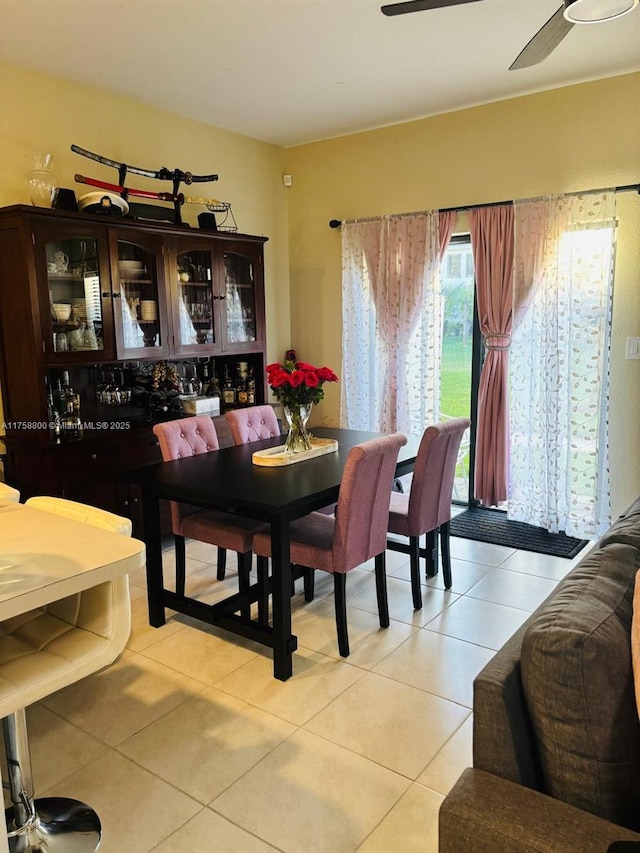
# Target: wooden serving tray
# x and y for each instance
(276, 456)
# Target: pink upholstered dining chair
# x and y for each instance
(252, 424)
(357, 533)
(190, 437)
(427, 507)
(247, 425)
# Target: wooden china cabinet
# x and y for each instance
(88, 306)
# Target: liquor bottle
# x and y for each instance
(60, 394)
(241, 388)
(67, 389)
(228, 391)
(251, 388)
(51, 409)
(213, 389)
(53, 414)
(70, 404)
(71, 423)
(206, 377)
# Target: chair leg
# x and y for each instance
(340, 601)
(181, 563)
(244, 580)
(414, 558)
(431, 547)
(309, 580)
(381, 589)
(446, 555)
(222, 563)
(263, 590)
(53, 823)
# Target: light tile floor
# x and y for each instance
(188, 745)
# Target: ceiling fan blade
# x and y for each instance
(420, 6)
(544, 42)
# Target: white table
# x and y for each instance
(46, 557)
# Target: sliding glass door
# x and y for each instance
(461, 354)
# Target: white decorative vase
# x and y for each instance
(42, 183)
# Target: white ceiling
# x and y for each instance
(296, 71)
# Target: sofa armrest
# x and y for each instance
(484, 813)
(504, 743)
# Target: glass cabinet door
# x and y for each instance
(75, 290)
(139, 306)
(195, 323)
(240, 299)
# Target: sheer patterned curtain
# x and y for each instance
(392, 323)
(559, 370)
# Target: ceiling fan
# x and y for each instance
(548, 36)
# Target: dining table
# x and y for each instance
(228, 480)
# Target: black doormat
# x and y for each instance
(492, 525)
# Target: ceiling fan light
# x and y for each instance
(596, 11)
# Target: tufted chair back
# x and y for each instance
(185, 437)
(252, 424)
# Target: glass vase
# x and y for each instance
(42, 183)
(298, 438)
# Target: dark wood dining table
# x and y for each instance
(228, 480)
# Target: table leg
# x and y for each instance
(284, 643)
(153, 541)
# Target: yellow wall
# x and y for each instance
(569, 139)
(576, 138)
(46, 114)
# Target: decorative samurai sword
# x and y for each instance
(179, 197)
(162, 174)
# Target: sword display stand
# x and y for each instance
(176, 176)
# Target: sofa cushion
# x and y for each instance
(635, 641)
(633, 509)
(578, 681)
(625, 529)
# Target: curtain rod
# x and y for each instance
(336, 223)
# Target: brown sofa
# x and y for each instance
(556, 734)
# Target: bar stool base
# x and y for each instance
(60, 825)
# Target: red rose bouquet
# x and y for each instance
(298, 386)
(296, 383)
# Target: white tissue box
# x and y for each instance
(201, 405)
